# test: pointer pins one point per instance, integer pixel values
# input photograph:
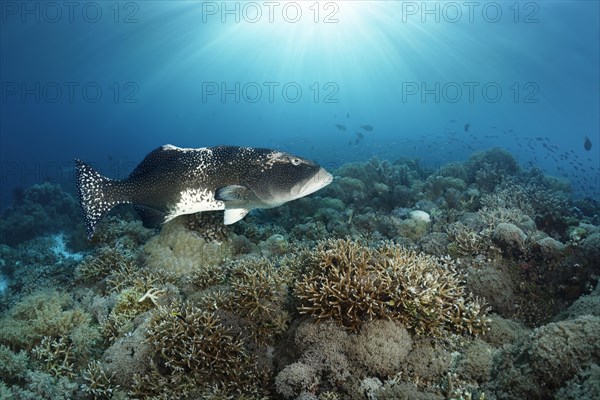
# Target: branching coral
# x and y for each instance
(128, 306)
(114, 231)
(45, 313)
(258, 294)
(354, 283)
(104, 262)
(468, 242)
(188, 341)
(97, 382)
(57, 356)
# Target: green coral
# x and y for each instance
(12, 365)
(45, 313)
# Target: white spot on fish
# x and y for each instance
(194, 200)
(187, 149)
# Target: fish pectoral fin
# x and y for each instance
(233, 193)
(233, 215)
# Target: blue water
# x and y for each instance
(108, 82)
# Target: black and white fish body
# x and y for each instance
(173, 181)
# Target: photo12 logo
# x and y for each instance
(269, 92)
(69, 92)
(469, 92)
(52, 12)
(271, 11)
(469, 11)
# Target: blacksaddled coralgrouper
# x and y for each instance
(173, 181)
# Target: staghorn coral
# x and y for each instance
(97, 382)
(190, 343)
(127, 307)
(353, 284)
(468, 242)
(104, 262)
(57, 356)
(258, 294)
(492, 217)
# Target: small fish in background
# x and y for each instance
(587, 144)
(359, 137)
(347, 115)
(173, 181)
(367, 128)
(467, 126)
(340, 127)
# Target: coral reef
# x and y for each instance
(381, 347)
(184, 338)
(373, 288)
(352, 284)
(182, 250)
(38, 210)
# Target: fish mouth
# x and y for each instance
(318, 181)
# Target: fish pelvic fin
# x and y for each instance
(233, 215)
(97, 195)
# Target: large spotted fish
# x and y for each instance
(173, 181)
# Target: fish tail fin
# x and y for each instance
(97, 195)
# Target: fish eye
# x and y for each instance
(295, 161)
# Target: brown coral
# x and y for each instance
(354, 283)
(190, 341)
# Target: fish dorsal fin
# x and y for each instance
(233, 215)
(233, 193)
(157, 158)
